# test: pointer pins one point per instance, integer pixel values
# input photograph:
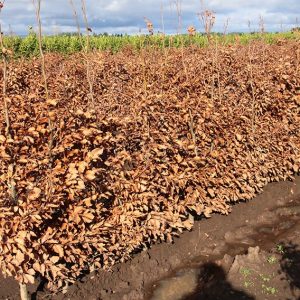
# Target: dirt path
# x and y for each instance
(233, 270)
(254, 253)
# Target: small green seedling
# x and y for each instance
(269, 289)
(265, 278)
(271, 260)
(245, 272)
(280, 248)
(247, 284)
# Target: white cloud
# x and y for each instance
(125, 16)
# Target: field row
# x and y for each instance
(106, 166)
(68, 44)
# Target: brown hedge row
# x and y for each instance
(170, 135)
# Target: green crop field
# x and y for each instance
(68, 44)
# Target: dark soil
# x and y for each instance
(254, 253)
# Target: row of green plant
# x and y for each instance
(67, 44)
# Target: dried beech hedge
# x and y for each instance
(170, 135)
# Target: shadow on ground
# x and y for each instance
(290, 266)
(213, 285)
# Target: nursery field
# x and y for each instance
(69, 44)
(125, 150)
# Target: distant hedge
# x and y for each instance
(68, 44)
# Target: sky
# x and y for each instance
(127, 17)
